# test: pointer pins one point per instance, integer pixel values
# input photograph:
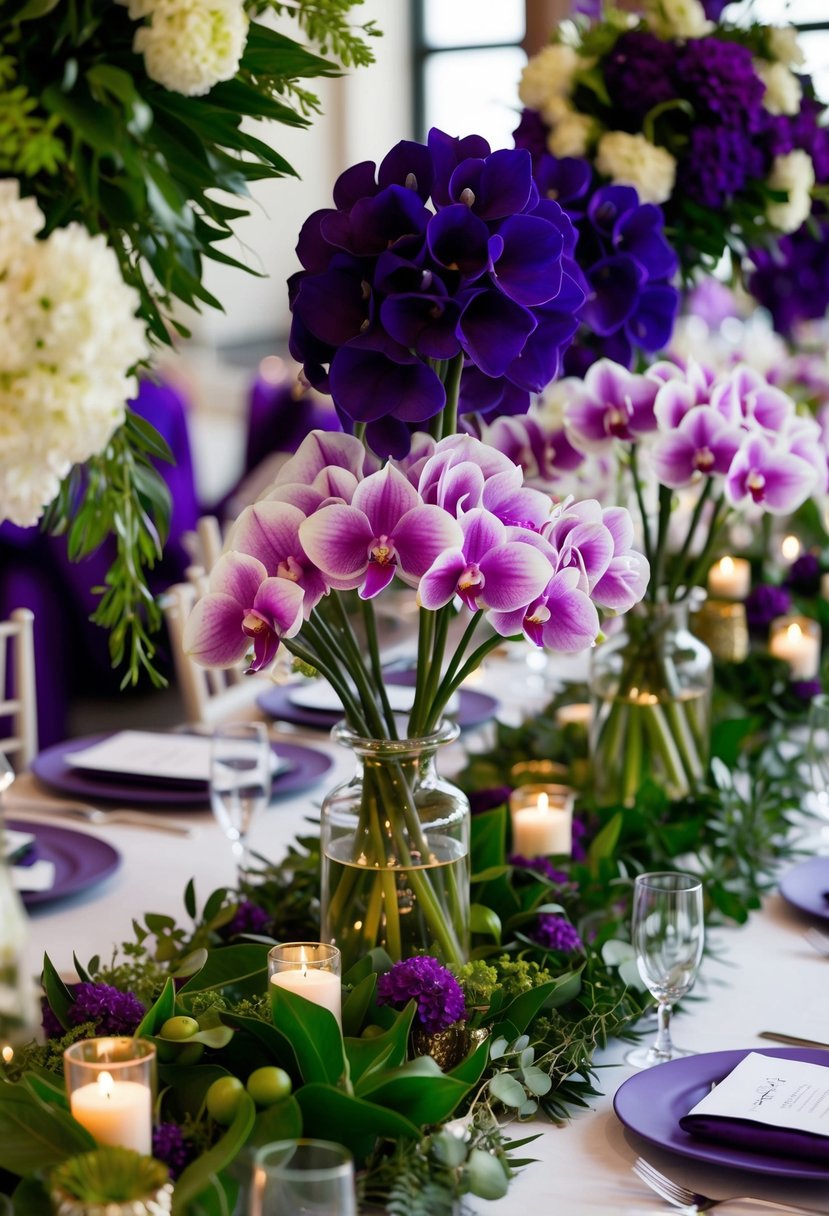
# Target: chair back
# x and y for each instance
(18, 693)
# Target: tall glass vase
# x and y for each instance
(395, 853)
(651, 690)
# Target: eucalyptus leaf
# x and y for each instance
(507, 1090)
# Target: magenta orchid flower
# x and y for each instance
(386, 530)
(702, 445)
(610, 403)
(679, 392)
(269, 531)
(319, 451)
(745, 397)
(242, 606)
(489, 570)
(769, 476)
(625, 580)
(562, 618)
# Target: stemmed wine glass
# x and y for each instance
(668, 931)
(241, 764)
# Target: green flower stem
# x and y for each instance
(704, 560)
(632, 751)
(640, 499)
(452, 381)
(681, 559)
(425, 635)
(450, 685)
(370, 625)
(354, 663)
(332, 675)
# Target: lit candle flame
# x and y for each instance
(8, 1054)
(727, 565)
(794, 633)
(543, 802)
(790, 548)
(105, 1084)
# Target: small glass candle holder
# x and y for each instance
(542, 820)
(310, 969)
(797, 640)
(528, 772)
(110, 1084)
(723, 626)
(294, 1176)
(730, 578)
(578, 715)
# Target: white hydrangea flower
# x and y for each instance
(678, 18)
(632, 160)
(783, 91)
(68, 337)
(191, 45)
(783, 45)
(794, 173)
(549, 74)
(20, 219)
(572, 135)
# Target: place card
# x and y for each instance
(768, 1100)
(155, 756)
(322, 698)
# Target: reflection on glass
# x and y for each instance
(303, 1178)
(473, 22)
(475, 91)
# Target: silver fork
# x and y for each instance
(818, 940)
(693, 1201)
(93, 814)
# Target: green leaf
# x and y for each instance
(507, 1090)
(199, 1175)
(470, 1070)
(330, 1114)
(186, 1086)
(605, 841)
(484, 921)
(357, 1003)
(489, 835)
(241, 969)
(280, 1122)
(314, 1034)
(277, 1047)
(420, 1090)
(30, 1198)
(34, 1135)
(157, 1014)
(386, 1050)
(57, 994)
(35, 8)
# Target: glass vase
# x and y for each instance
(395, 853)
(651, 690)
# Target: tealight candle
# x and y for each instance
(109, 1083)
(579, 713)
(310, 969)
(797, 640)
(730, 578)
(542, 820)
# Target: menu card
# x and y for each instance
(322, 697)
(768, 1103)
(159, 757)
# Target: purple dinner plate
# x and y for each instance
(652, 1102)
(474, 708)
(80, 859)
(806, 887)
(307, 765)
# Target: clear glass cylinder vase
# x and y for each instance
(395, 853)
(651, 688)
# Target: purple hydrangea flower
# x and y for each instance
(719, 80)
(555, 932)
(791, 279)
(540, 865)
(765, 602)
(423, 979)
(487, 800)
(249, 918)
(638, 73)
(805, 690)
(718, 163)
(112, 1011)
(170, 1146)
(804, 574)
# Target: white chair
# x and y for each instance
(204, 546)
(17, 673)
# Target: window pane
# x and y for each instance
(816, 49)
(776, 12)
(474, 92)
(472, 22)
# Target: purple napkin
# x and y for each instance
(757, 1137)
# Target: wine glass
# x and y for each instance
(303, 1178)
(240, 780)
(667, 932)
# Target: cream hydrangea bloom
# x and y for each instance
(632, 160)
(549, 74)
(795, 174)
(68, 338)
(573, 134)
(678, 18)
(783, 45)
(191, 45)
(783, 92)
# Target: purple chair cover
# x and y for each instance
(280, 415)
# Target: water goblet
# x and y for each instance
(241, 763)
(303, 1178)
(668, 932)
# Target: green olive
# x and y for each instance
(223, 1098)
(371, 1031)
(268, 1085)
(179, 1028)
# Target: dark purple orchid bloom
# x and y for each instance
(243, 605)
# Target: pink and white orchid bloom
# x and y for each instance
(243, 605)
(386, 530)
(269, 531)
(562, 618)
(769, 476)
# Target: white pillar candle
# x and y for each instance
(321, 987)
(730, 578)
(797, 640)
(542, 820)
(115, 1112)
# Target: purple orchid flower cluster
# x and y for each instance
(447, 256)
(732, 439)
(454, 520)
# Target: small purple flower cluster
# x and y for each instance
(803, 576)
(110, 1010)
(439, 996)
(540, 865)
(445, 252)
(554, 932)
(791, 280)
(170, 1146)
(249, 918)
(765, 602)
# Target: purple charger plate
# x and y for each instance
(307, 765)
(80, 859)
(806, 887)
(652, 1102)
(474, 708)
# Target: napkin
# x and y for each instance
(16, 843)
(37, 877)
(770, 1105)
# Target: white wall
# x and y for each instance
(364, 114)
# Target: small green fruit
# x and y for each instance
(486, 1175)
(223, 1098)
(371, 1031)
(190, 1053)
(268, 1085)
(179, 1028)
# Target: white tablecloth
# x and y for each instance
(764, 976)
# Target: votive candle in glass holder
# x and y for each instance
(110, 1084)
(730, 578)
(542, 820)
(310, 969)
(797, 640)
(578, 714)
